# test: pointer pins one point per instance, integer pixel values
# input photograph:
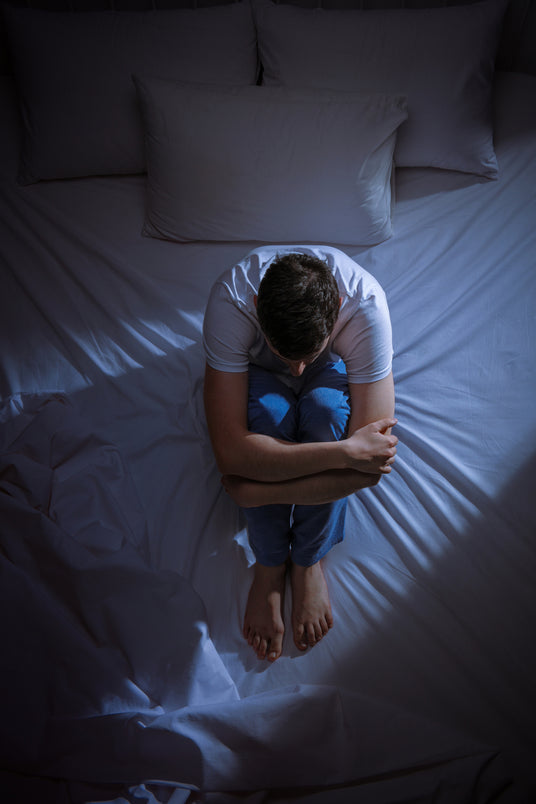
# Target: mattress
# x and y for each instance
(126, 567)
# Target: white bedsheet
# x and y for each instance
(125, 568)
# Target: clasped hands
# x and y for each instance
(365, 456)
(371, 449)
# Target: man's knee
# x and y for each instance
(323, 415)
(272, 415)
(270, 405)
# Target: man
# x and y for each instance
(299, 399)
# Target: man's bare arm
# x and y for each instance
(262, 458)
(371, 401)
(368, 401)
(311, 490)
(241, 452)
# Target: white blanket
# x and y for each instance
(125, 568)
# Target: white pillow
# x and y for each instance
(73, 70)
(442, 59)
(268, 164)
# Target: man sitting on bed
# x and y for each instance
(299, 401)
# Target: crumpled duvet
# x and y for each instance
(110, 671)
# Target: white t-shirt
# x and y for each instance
(362, 334)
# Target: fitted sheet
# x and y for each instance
(125, 567)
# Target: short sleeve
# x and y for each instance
(365, 341)
(228, 332)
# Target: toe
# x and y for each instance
(300, 638)
(311, 635)
(275, 648)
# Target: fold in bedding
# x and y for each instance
(115, 656)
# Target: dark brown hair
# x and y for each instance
(298, 304)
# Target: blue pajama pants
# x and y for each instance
(318, 411)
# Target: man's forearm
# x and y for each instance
(271, 460)
(259, 457)
(316, 489)
(241, 452)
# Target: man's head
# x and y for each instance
(298, 305)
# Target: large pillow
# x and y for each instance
(268, 164)
(442, 59)
(74, 75)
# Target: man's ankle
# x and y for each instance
(274, 570)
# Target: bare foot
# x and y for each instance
(311, 609)
(263, 621)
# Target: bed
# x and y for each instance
(125, 566)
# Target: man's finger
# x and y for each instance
(384, 424)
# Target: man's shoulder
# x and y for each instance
(241, 281)
(245, 276)
(257, 261)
